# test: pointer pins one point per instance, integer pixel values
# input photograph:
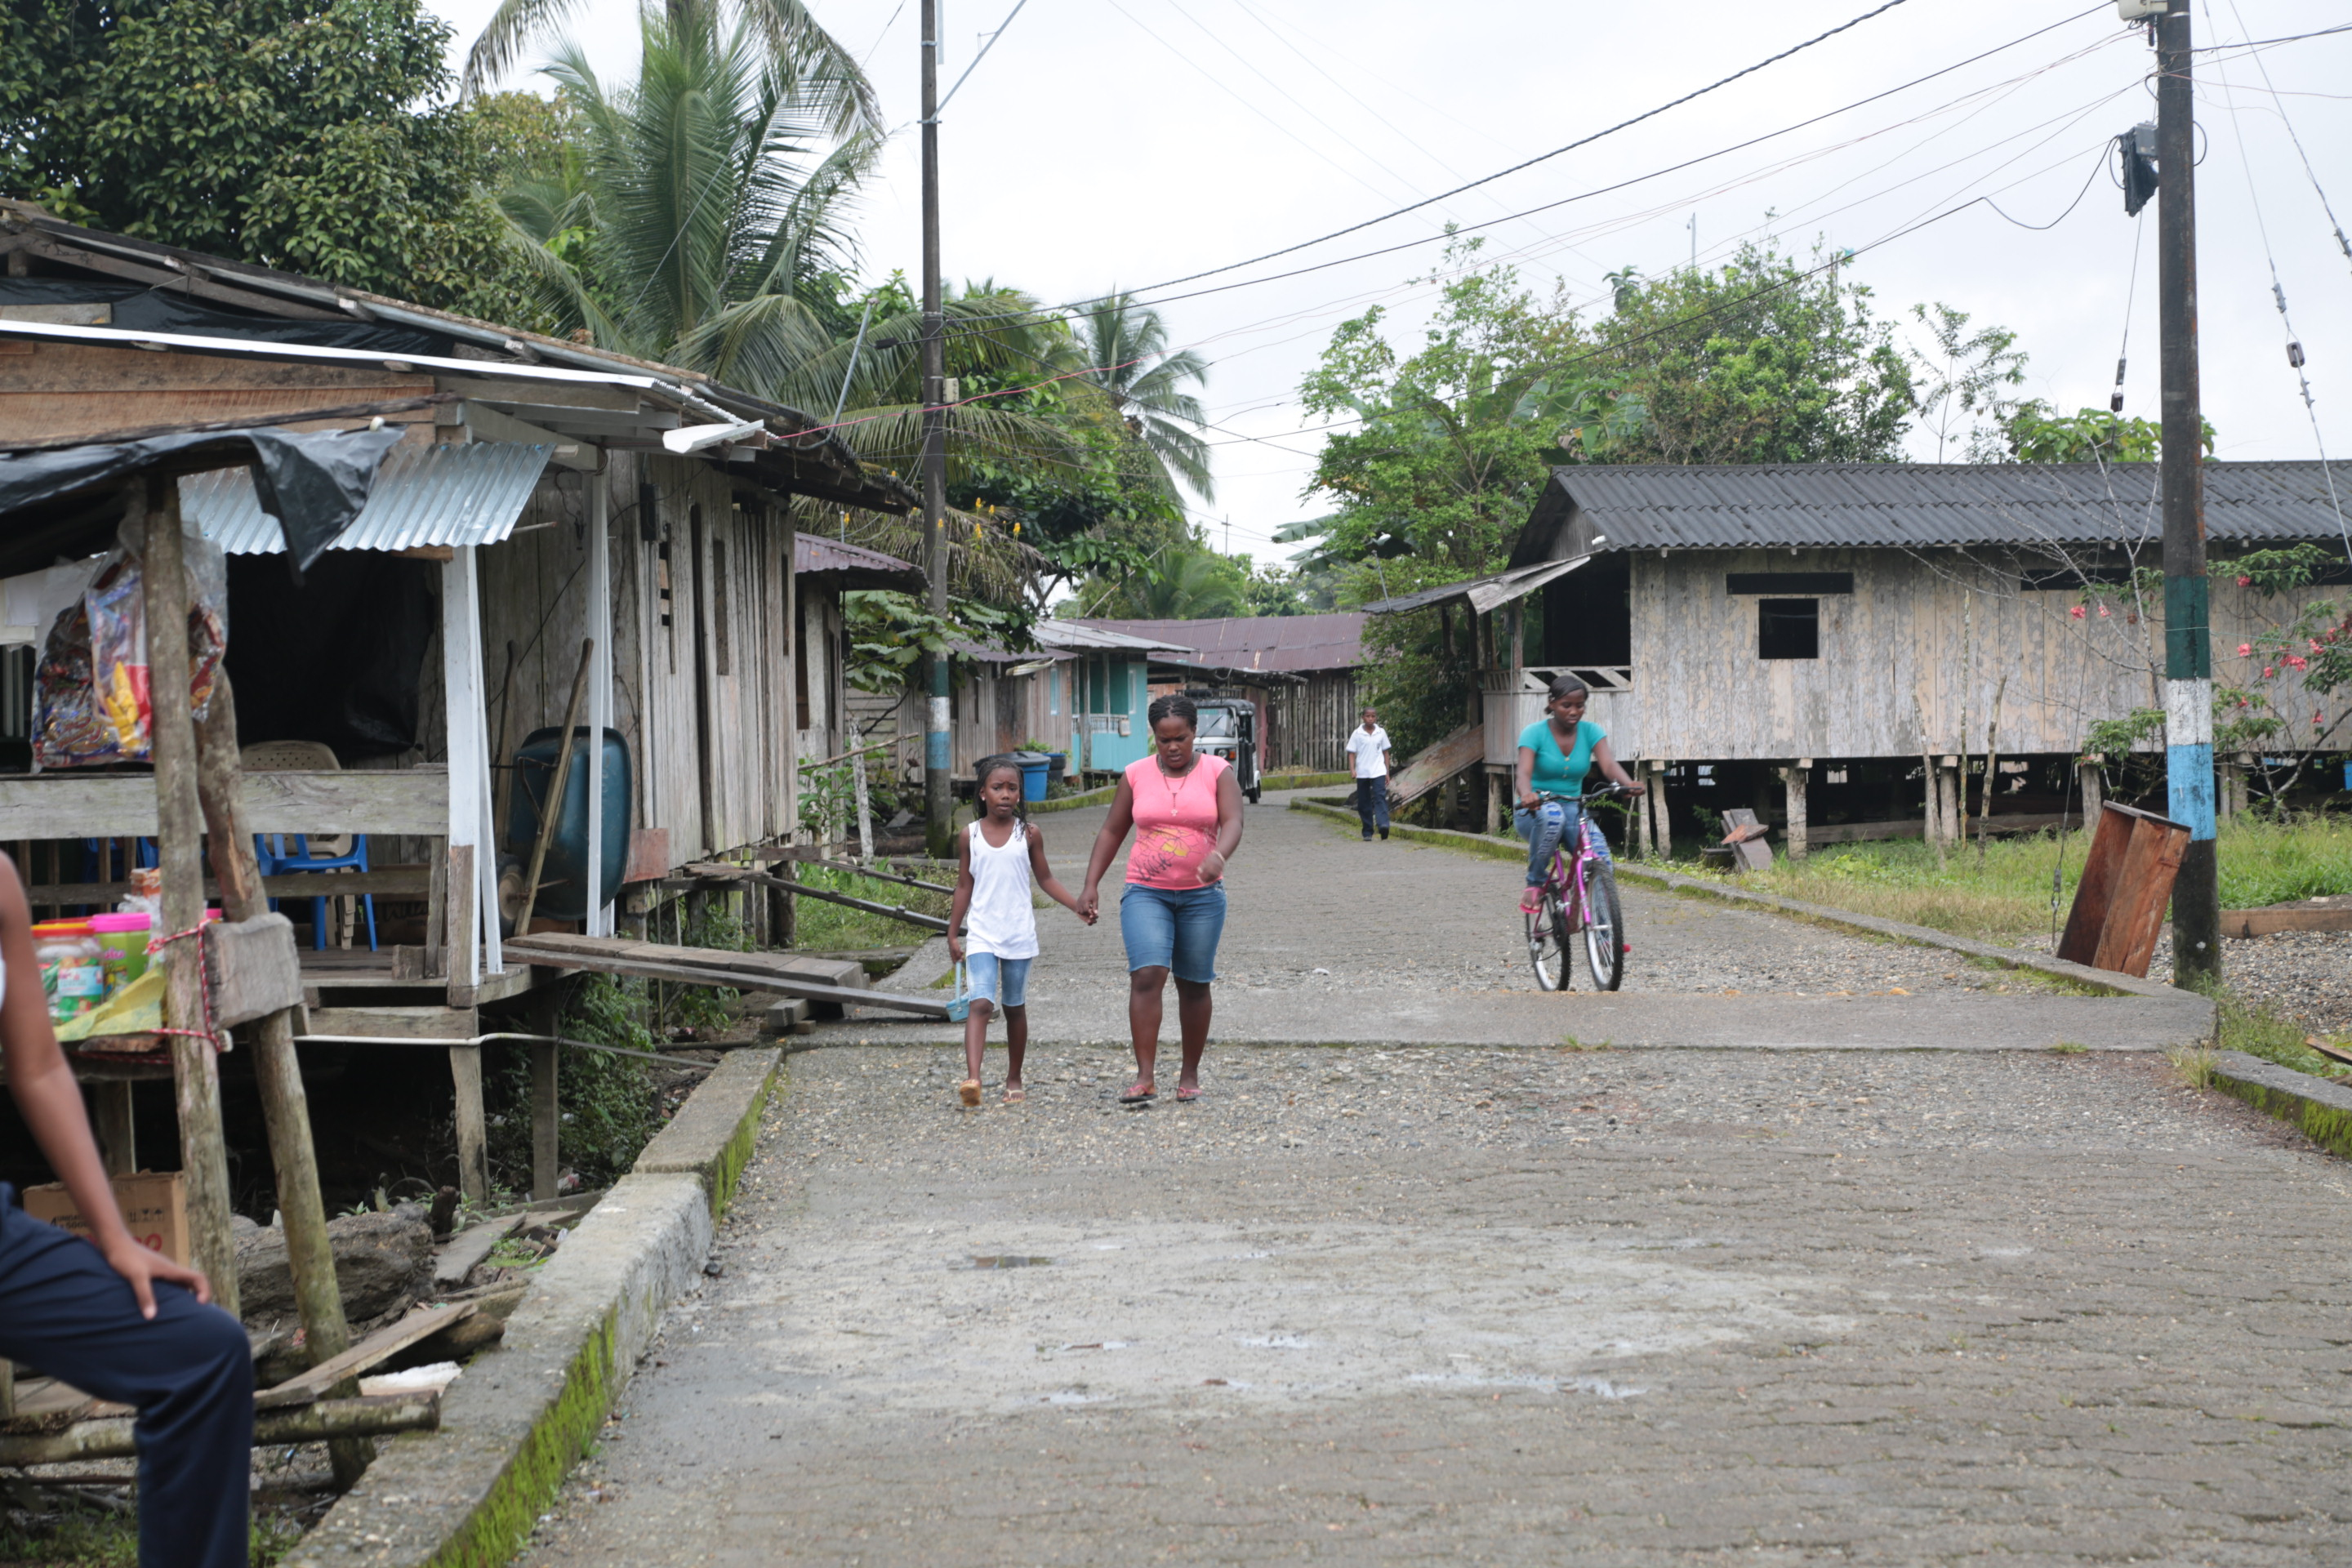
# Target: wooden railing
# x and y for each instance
(72, 804)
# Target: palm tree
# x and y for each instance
(786, 34)
(699, 216)
(1127, 349)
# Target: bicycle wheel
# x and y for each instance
(1604, 926)
(1548, 943)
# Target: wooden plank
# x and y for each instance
(385, 881)
(2144, 887)
(2316, 914)
(1436, 764)
(841, 995)
(332, 1420)
(2086, 922)
(377, 1347)
(69, 804)
(1914, 828)
(581, 951)
(397, 1023)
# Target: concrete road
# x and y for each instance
(1517, 1306)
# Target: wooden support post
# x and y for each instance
(1641, 849)
(1662, 822)
(461, 953)
(285, 1108)
(1796, 777)
(1949, 823)
(783, 910)
(472, 1126)
(111, 1118)
(196, 1070)
(436, 908)
(550, 808)
(546, 1114)
(2094, 787)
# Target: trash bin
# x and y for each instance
(1034, 768)
(1058, 766)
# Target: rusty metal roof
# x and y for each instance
(1912, 505)
(1244, 643)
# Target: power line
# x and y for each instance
(1090, 305)
(2342, 243)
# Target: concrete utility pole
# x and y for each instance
(938, 805)
(2188, 637)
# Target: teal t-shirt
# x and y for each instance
(1556, 773)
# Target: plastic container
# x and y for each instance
(122, 939)
(73, 976)
(563, 882)
(1058, 766)
(146, 893)
(1035, 766)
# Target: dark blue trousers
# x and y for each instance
(189, 1374)
(1372, 804)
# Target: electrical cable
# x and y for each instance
(2061, 217)
(2294, 356)
(2324, 205)
(1079, 305)
(2131, 293)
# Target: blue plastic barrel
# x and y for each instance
(563, 881)
(1033, 779)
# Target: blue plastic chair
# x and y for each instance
(270, 849)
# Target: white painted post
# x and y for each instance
(600, 697)
(461, 702)
(865, 813)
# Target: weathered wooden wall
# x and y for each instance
(1911, 659)
(1307, 725)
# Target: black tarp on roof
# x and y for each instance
(136, 308)
(68, 502)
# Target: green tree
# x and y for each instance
(1761, 360)
(284, 132)
(1127, 358)
(2034, 432)
(1960, 381)
(1192, 582)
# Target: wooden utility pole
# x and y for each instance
(2188, 640)
(938, 805)
(196, 1072)
(285, 1109)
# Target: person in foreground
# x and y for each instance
(107, 1315)
(1555, 754)
(992, 924)
(1185, 807)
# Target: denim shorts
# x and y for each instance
(1174, 929)
(1004, 981)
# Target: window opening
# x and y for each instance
(1788, 628)
(800, 676)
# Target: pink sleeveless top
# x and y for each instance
(1175, 822)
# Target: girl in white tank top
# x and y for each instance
(992, 926)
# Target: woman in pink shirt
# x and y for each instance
(1185, 809)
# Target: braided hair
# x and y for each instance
(1174, 705)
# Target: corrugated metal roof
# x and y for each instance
(1924, 505)
(1258, 642)
(448, 494)
(1080, 635)
(814, 553)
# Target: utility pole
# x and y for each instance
(938, 802)
(2188, 638)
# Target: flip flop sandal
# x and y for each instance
(969, 1091)
(1133, 1096)
(1016, 1096)
(1187, 1096)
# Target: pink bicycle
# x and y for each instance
(1578, 897)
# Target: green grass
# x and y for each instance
(84, 1541)
(2008, 894)
(834, 927)
(2255, 1029)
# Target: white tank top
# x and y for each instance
(1001, 919)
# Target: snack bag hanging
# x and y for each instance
(118, 658)
(92, 703)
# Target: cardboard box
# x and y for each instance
(155, 1206)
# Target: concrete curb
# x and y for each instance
(2319, 1107)
(1075, 802)
(2079, 975)
(512, 1427)
(710, 1136)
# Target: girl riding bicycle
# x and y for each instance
(1556, 752)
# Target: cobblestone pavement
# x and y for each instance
(1312, 908)
(1516, 1306)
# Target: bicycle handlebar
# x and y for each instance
(1588, 796)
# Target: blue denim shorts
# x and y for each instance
(1174, 929)
(1004, 981)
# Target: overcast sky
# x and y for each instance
(1127, 142)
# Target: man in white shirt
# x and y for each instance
(1368, 747)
